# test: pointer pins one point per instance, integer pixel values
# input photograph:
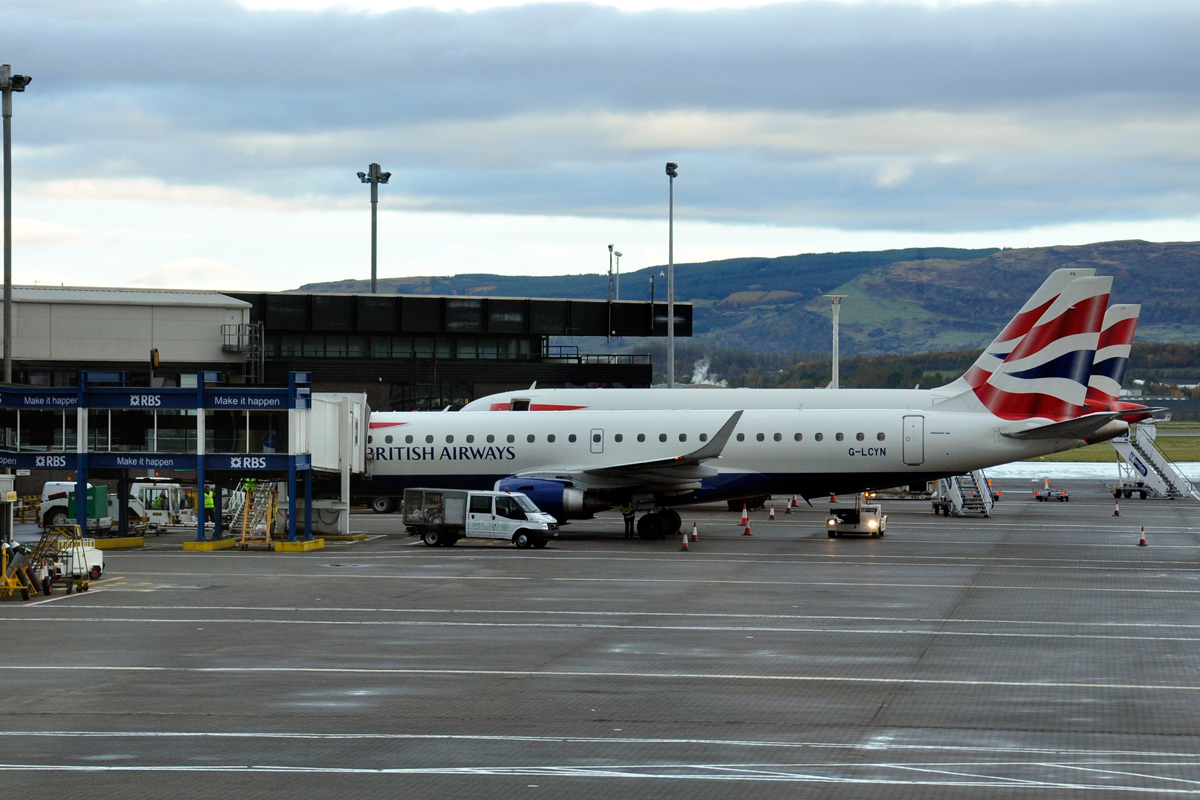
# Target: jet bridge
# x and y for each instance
(222, 433)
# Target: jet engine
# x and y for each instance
(559, 499)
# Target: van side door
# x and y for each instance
(480, 516)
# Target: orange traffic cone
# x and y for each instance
(1116, 508)
(772, 514)
(695, 534)
(794, 503)
(747, 531)
(745, 514)
(1141, 541)
(685, 542)
(832, 497)
(788, 509)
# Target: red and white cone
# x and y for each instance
(772, 514)
(1141, 541)
(1116, 508)
(794, 503)
(745, 514)
(685, 542)
(832, 497)
(747, 531)
(695, 534)
(788, 509)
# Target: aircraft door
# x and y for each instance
(914, 440)
(597, 440)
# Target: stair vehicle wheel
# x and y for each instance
(432, 538)
(1117, 493)
(1128, 494)
(47, 587)
(24, 592)
(522, 539)
(381, 505)
(94, 572)
(1142, 494)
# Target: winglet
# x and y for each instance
(717, 443)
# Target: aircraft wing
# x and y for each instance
(1085, 427)
(675, 473)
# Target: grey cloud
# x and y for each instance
(292, 103)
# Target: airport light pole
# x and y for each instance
(672, 174)
(9, 83)
(617, 253)
(837, 307)
(374, 177)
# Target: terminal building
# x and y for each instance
(405, 352)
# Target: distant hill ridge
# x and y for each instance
(899, 301)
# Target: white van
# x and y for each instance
(443, 516)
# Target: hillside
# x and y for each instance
(899, 301)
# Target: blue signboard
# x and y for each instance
(39, 398)
(141, 461)
(38, 460)
(141, 399)
(247, 399)
(249, 463)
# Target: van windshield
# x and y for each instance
(525, 503)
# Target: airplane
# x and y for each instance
(573, 465)
(534, 399)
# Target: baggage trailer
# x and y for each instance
(443, 516)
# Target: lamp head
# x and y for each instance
(610, 248)
(383, 177)
(362, 176)
(671, 169)
(19, 82)
(616, 253)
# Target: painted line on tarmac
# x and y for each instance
(593, 626)
(689, 581)
(940, 776)
(668, 614)
(667, 676)
(872, 745)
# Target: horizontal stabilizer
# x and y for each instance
(1084, 427)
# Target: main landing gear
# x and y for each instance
(659, 524)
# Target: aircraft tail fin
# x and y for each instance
(1112, 353)
(1046, 374)
(1016, 329)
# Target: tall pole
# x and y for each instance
(609, 332)
(374, 177)
(617, 253)
(6, 87)
(836, 299)
(374, 224)
(671, 175)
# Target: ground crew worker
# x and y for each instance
(627, 513)
(210, 506)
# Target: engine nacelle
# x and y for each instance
(554, 497)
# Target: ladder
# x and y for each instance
(965, 494)
(257, 523)
(1150, 467)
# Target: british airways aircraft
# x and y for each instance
(628, 399)
(573, 464)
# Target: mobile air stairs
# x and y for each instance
(1146, 471)
(961, 495)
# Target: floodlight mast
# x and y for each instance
(374, 177)
(9, 83)
(617, 253)
(837, 308)
(672, 174)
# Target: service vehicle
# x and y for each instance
(56, 510)
(86, 561)
(865, 518)
(443, 516)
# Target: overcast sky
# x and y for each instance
(215, 144)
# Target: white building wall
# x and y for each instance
(73, 331)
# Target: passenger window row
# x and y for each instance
(641, 437)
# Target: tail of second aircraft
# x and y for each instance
(1046, 374)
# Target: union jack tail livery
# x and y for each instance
(1046, 374)
(1029, 315)
(1112, 354)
